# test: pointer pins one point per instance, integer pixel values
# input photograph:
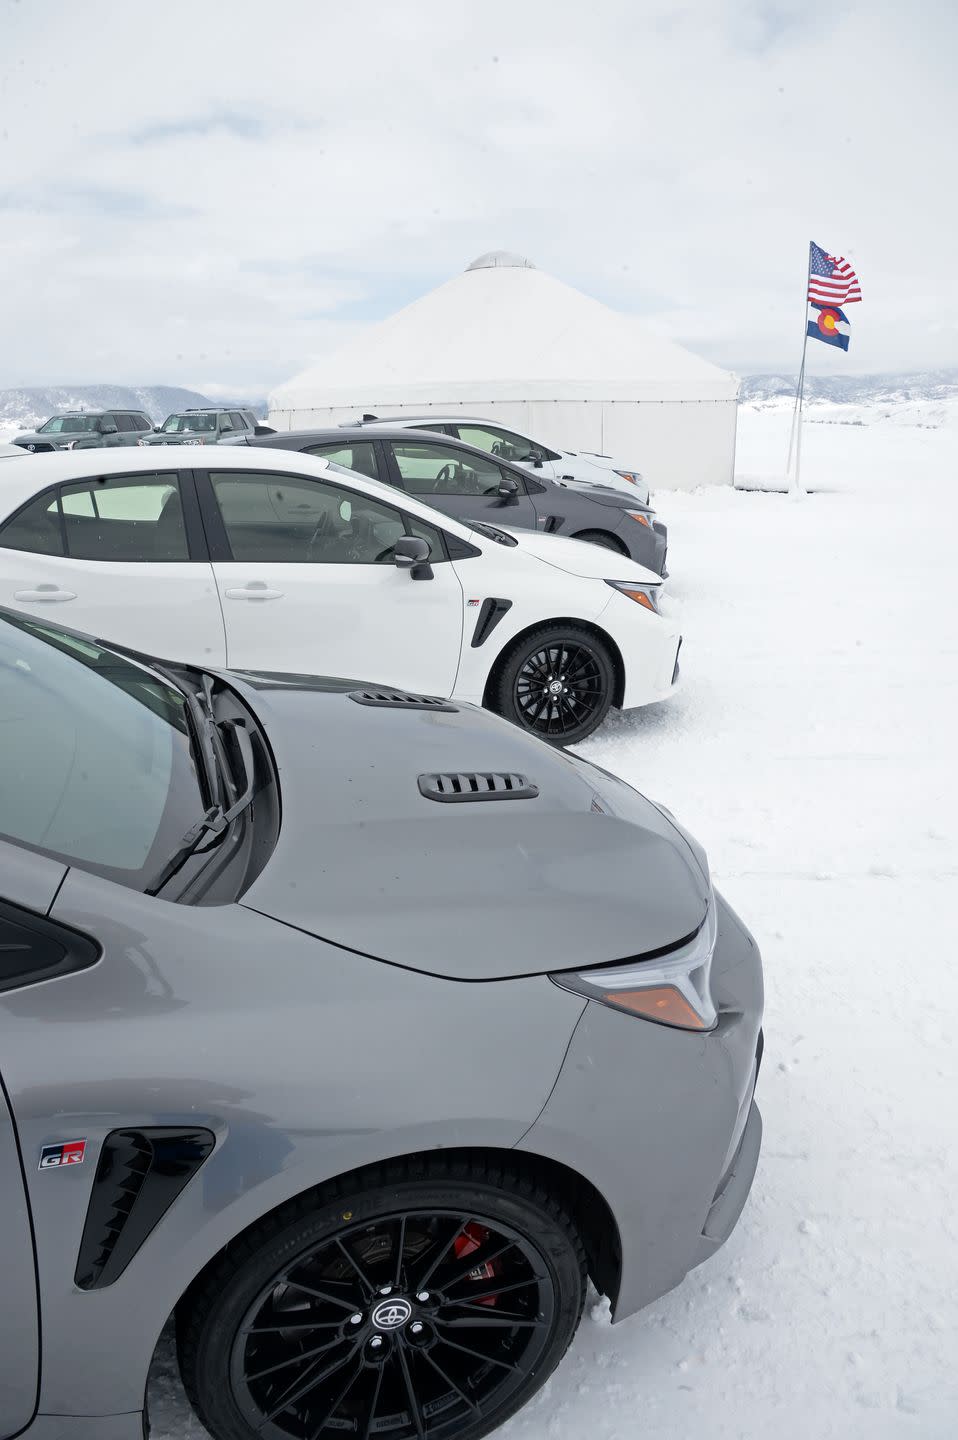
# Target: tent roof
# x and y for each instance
(503, 331)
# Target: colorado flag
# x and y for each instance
(825, 326)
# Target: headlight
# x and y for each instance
(633, 476)
(672, 990)
(192, 442)
(646, 595)
(644, 517)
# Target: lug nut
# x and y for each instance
(416, 1327)
(423, 1296)
(375, 1342)
(385, 1289)
(355, 1319)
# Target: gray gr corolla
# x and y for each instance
(352, 1028)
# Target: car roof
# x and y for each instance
(343, 434)
(22, 479)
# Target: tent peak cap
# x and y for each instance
(500, 260)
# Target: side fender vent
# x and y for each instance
(491, 612)
(455, 789)
(401, 700)
(138, 1176)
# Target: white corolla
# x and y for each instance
(279, 561)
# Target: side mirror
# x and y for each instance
(157, 429)
(508, 488)
(411, 553)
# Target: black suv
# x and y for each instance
(206, 426)
(86, 429)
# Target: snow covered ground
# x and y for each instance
(813, 750)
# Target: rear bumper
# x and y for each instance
(663, 1123)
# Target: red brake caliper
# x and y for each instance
(471, 1239)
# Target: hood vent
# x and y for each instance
(401, 700)
(472, 785)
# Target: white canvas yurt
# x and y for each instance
(505, 341)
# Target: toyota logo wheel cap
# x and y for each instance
(390, 1314)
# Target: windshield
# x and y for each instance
(72, 423)
(97, 763)
(199, 424)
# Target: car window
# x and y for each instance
(428, 469)
(292, 520)
(36, 527)
(358, 456)
(501, 443)
(239, 423)
(198, 424)
(69, 424)
(124, 423)
(224, 422)
(98, 768)
(125, 518)
(140, 422)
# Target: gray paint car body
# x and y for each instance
(308, 1059)
(541, 504)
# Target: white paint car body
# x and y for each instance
(569, 467)
(367, 621)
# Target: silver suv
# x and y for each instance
(207, 426)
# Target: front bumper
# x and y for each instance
(663, 1123)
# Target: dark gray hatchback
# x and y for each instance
(471, 484)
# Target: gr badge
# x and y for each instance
(68, 1152)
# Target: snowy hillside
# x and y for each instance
(926, 399)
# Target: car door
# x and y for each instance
(308, 582)
(122, 557)
(28, 884)
(459, 482)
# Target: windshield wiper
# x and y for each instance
(217, 818)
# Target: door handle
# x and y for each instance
(44, 595)
(255, 590)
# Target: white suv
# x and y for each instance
(570, 467)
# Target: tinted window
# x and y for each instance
(124, 423)
(440, 470)
(358, 456)
(140, 422)
(287, 519)
(136, 518)
(97, 761)
(36, 527)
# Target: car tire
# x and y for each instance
(539, 661)
(419, 1224)
(603, 538)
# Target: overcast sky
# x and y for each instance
(213, 194)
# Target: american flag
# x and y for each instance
(831, 280)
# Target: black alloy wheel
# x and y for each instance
(420, 1311)
(558, 682)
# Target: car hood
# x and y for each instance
(585, 873)
(579, 557)
(33, 437)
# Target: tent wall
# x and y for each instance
(677, 444)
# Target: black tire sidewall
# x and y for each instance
(206, 1348)
(504, 692)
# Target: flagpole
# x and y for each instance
(795, 434)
